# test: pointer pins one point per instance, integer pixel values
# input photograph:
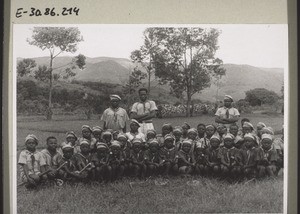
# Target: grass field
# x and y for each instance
(210, 196)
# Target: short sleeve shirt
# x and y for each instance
(115, 119)
(233, 112)
(33, 160)
(144, 107)
(51, 160)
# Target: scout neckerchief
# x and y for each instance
(266, 153)
(228, 153)
(115, 113)
(249, 155)
(32, 161)
(227, 113)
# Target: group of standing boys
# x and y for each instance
(104, 154)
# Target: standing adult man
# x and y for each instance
(144, 111)
(227, 114)
(115, 117)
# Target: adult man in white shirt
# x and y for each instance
(227, 114)
(144, 111)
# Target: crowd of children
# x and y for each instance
(105, 156)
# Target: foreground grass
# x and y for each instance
(210, 196)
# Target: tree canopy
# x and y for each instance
(185, 59)
(260, 96)
(57, 40)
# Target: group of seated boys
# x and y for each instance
(105, 155)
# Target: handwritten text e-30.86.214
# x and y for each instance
(47, 12)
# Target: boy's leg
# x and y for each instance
(261, 171)
(271, 170)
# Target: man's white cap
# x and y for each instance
(228, 97)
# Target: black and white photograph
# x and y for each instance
(140, 118)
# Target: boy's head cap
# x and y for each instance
(269, 130)
(100, 145)
(192, 130)
(266, 136)
(122, 136)
(134, 121)
(249, 135)
(67, 147)
(153, 142)
(106, 132)
(210, 125)
(136, 141)
(166, 125)
(248, 125)
(71, 134)
(84, 142)
(261, 124)
(115, 97)
(31, 137)
(97, 129)
(186, 124)
(151, 131)
(177, 129)
(228, 97)
(187, 142)
(215, 137)
(229, 136)
(169, 136)
(115, 143)
(86, 127)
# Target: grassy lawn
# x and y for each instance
(209, 196)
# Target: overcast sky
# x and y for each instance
(256, 45)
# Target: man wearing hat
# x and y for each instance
(115, 117)
(144, 111)
(227, 114)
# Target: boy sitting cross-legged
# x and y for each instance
(51, 157)
(32, 163)
(212, 156)
(168, 153)
(101, 170)
(152, 158)
(186, 161)
(136, 159)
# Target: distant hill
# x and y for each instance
(238, 78)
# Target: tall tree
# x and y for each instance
(185, 59)
(144, 55)
(134, 82)
(56, 40)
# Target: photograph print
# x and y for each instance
(150, 118)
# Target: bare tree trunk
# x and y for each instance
(49, 112)
(149, 77)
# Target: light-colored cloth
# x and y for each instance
(132, 136)
(50, 160)
(222, 113)
(115, 119)
(144, 107)
(33, 161)
(144, 127)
